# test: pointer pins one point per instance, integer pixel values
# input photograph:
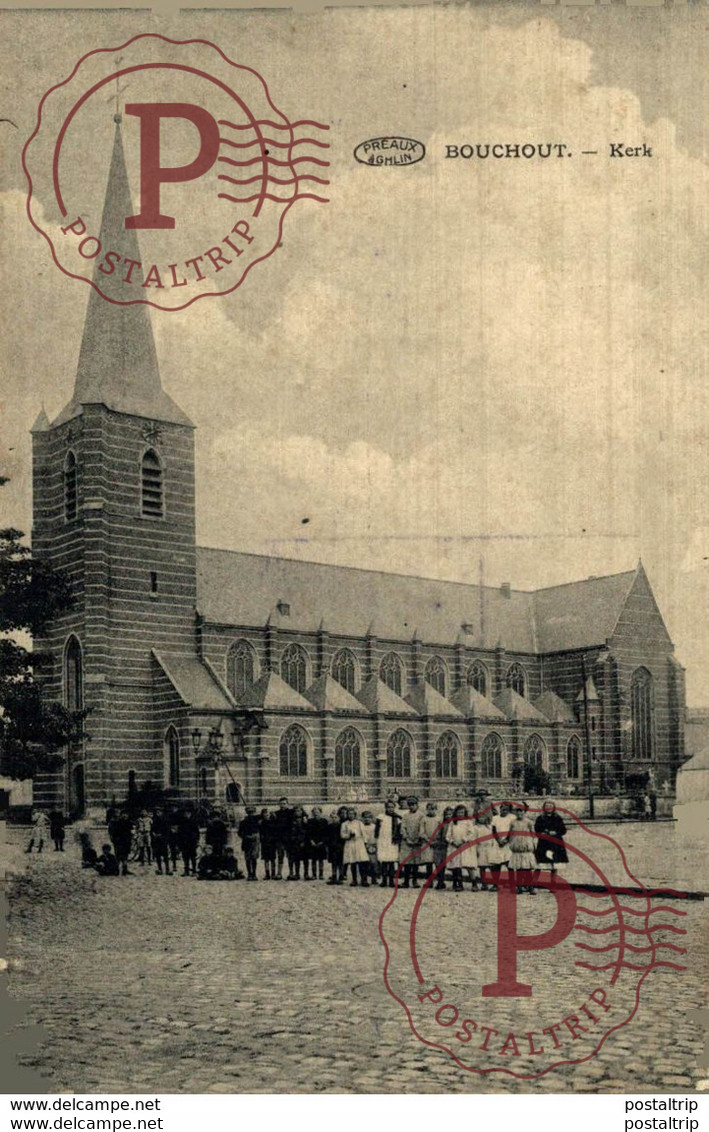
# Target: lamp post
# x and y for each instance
(587, 733)
(242, 725)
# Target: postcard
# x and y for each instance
(354, 442)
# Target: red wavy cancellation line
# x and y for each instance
(275, 180)
(275, 125)
(269, 196)
(630, 911)
(276, 144)
(273, 161)
(629, 947)
(633, 892)
(627, 928)
(632, 966)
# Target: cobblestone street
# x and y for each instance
(166, 984)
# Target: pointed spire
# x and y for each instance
(118, 366)
(42, 422)
(589, 692)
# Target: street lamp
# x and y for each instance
(587, 732)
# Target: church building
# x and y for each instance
(203, 668)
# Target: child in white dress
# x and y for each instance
(355, 849)
(522, 857)
(460, 831)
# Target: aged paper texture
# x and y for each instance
(354, 383)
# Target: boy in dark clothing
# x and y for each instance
(316, 832)
(159, 832)
(106, 863)
(56, 830)
(335, 846)
(89, 856)
(173, 836)
(120, 830)
(217, 834)
(250, 833)
(228, 868)
(297, 854)
(268, 845)
(282, 820)
(188, 840)
(208, 866)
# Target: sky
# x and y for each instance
(452, 367)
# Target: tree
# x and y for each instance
(33, 729)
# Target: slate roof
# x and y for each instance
(473, 705)
(578, 614)
(271, 691)
(195, 683)
(515, 706)
(234, 588)
(427, 701)
(554, 708)
(329, 695)
(378, 697)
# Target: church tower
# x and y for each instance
(114, 507)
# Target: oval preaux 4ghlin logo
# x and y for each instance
(564, 972)
(205, 168)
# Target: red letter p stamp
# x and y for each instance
(203, 169)
(507, 984)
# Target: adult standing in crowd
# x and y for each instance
(550, 830)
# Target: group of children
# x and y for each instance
(369, 847)
(365, 847)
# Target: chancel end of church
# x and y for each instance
(217, 674)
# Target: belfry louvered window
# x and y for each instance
(151, 486)
(71, 497)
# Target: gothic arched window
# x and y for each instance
(447, 751)
(573, 757)
(391, 672)
(73, 675)
(240, 668)
(293, 752)
(476, 675)
(171, 749)
(534, 751)
(294, 667)
(348, 754)
(151, 486)
(399, 751)
(491, 755)
(516, 679)
(71, 492)
(436, 674)
(642, 713)
(344, 670)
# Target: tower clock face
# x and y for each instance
(151, 432)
